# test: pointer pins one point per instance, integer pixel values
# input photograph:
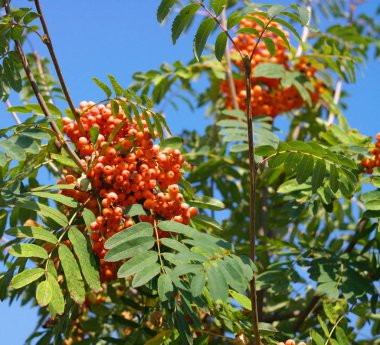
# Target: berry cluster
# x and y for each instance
(125, 168)
(269, 97)
(369, 163)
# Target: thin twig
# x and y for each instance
(49, 44)
(305, 31)
(252, 195)
(41, 72)
(230, 77)
(32, 80)
(221, 26)
(337, 94)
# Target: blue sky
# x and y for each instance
(123, 37)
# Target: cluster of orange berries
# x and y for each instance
(291, 342)
(369, 163)
(268, 96)
(124, 169)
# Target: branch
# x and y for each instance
(49, 44)
(252, 195)
(339, 84)
(41, 101)
(42, 75)
(230, 77)
(337, 94)
(305, 31)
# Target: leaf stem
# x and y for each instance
(47, 40)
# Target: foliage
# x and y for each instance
(157, 272)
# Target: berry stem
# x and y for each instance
(47, 40)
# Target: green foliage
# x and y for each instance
(317, 252)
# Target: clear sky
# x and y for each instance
(121, 37)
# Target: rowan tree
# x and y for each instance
(127, 247)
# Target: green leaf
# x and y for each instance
(142, 229)
(137, 263)
(174, 244)
(233, 274)
(115, 111)
(172, 142)
(116, 86)
(318, 174)
(32, 232)
(269, 70)
(66, 161)
(130, 248)
(164, 9)
(202, 35)
(304, 15)
(329, 288)
(239, 148)
(317, 338)
(280, 33)
(270, 45)
(94, 133)
(36, 133)
(220, 45)
(305, 168)
(164, 287)
(62, 199)
(197, 283)
(73, 276)
(13, 150)
(235, 113)
(43, 293)
(202, 201)
(233, 19)
(217, 283)
(175, 227)
(334, 178)
(264, 150)
(27, 250)
(182, 20)
(341, 336)
(290, 28)
(248, 31)
(103, 86)
(26, 277)
(57, 301)
(218, 6)
(86, 258)
(243, 300)
(145, 275)
(182, 325)
(206, 222)
(276, 9)
(135, 210)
